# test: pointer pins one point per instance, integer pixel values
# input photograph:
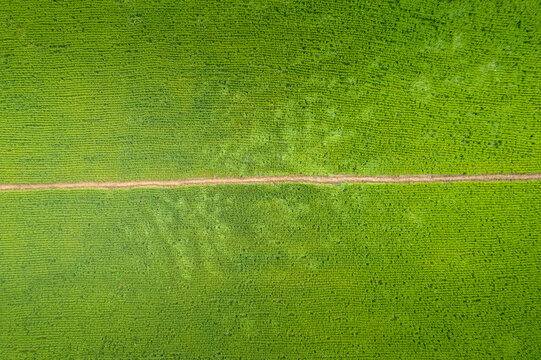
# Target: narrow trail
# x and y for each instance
(330, 179)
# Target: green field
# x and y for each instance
(121, 90)
(268, 272)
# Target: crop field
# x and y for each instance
(272, 271)
(270, 179)
(123, 90)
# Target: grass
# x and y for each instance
(123, 90)
(267, 272)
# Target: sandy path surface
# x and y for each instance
(330, 179)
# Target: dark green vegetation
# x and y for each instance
(121, 90)
(267, 272)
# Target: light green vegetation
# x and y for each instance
(268, 272)
(120, 90)
(125, 90)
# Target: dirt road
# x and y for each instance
(330, 179)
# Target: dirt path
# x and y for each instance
(331, 179)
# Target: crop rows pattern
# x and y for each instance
(272, 272)
(127, 89)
